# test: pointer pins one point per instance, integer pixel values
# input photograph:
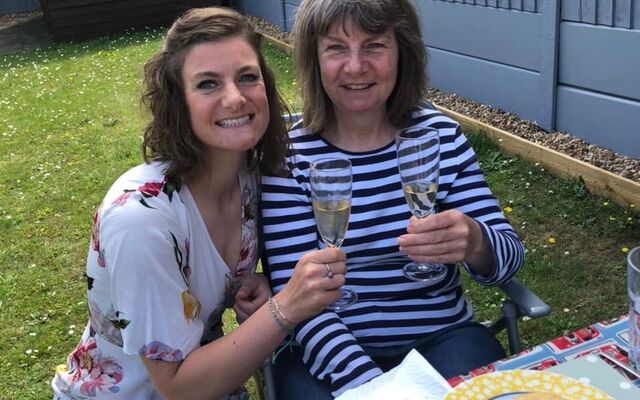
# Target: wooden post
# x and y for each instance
(549, 63)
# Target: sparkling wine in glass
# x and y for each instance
(330, 180)
(418, 150)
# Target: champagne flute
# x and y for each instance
(418, 150)
(330, 180)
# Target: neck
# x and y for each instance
(355, 132)
(219, 179)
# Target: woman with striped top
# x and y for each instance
(362, 70)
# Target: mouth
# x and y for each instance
(356, 87)
(233, 122)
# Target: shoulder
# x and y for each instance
(427, 115)
(305, 145)
(142, 195)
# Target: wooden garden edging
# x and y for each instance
(622, 191)
(599, 181)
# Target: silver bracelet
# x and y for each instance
(275, 316)
(278, 310)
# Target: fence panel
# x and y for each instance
(605, 12)
(18, 6)
(491, 55)
(566, 64)
(483, 32)
(619, 13)
(599, 85)
(519, 5)
(530, 5)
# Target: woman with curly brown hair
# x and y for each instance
(175, 241)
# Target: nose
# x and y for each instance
(356, 64)
(232, 97)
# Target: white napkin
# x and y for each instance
(413, 379)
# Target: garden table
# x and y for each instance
(580, 354)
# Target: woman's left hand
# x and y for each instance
(448, 237)
(253, 293)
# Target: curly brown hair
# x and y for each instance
(168, 137)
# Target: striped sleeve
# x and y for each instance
(330, 350)
(468, 192)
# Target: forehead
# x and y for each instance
(350, 28)
(220, 54)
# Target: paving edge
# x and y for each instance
(622, 191)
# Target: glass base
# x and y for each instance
(424, 272)
(348, 298)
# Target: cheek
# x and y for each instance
(263, 104)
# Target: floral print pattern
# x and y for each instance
(94, 373)
(148, 190)
(153, 305)
(160, 351)
(95, 238)
(104, 324)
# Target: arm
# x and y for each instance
(331, 352)
(470, 226)
(147, 255)
(224, 364)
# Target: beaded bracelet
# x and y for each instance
(275, 316)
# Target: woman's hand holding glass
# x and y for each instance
(310, 290)
(330, 181)
(448, 237)
(418, 153)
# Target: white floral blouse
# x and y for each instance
(157, 286)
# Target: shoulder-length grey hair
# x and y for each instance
(168, 137)
(314, 18)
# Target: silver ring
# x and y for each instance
(329, 271)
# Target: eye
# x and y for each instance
(248, 78)
(376, 45)
(207, 84)
(334, 47)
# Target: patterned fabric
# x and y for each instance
(157, 286)
(391, 310)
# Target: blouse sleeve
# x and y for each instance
(330, 351)
(468, 192)
(146, 254)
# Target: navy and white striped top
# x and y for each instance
(391, 310)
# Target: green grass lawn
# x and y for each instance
(70, 123)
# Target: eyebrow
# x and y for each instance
(213, 74)
(371, 38)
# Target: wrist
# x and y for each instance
(279, 316)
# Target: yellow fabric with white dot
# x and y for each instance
(485, 387)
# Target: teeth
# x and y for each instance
(233, 121)
(357, 87)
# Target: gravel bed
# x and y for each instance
(565, 143)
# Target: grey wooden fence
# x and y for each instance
(569, 65)
(17, 6)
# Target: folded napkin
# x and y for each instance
(413, 379)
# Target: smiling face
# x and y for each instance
(225, 94)
(358, 70)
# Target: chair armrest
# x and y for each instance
(292, 118)
(526, 301)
